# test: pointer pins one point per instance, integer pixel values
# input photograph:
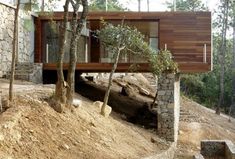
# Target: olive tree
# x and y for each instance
(77, 23)
(124, 39)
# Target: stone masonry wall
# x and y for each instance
(6, 37)
(25, 38)
(168, 106)
(6, 34)
(216, 149)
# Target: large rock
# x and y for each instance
(128, 91)
(107, 110)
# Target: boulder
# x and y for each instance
(77, 103)
(128, 91)
(107, 110)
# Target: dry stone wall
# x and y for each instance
(6, 36)
(168, 106)
(216, 149)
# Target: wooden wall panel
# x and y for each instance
(185, 34)
(38, 41)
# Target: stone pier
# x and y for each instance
(168, 107)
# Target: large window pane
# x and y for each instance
(148, 28)
(51, 37)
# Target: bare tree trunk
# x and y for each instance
(106, 97)
(232, 107)
(222, 56)
(154, 100)
(14, 51)
(76, 33)
(148, 5)
(71, 70)
(43, 6)
(60, 92)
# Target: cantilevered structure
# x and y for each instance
(186, 34)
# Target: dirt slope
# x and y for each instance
(196, 121)
(32, 129)
(200, 123)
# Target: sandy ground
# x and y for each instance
(32, 129)
(200, 123)
(196, 122)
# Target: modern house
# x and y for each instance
(186, 34)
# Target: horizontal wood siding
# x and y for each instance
(124, 67)
(185, 36)
(184, 33)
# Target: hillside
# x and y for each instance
(200, 123)
(32, 129)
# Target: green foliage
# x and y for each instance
(99, 5)
(162, 63)
(188, 5)
(131, 41)
(204, 88)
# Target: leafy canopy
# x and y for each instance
(99, 5)
(188, 5)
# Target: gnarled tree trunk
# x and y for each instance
(60, 92)
(77, 27)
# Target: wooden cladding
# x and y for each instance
(38, 41)
(186, 34)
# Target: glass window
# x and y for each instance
(9, 2)
(149, 28)
(153, 42)
(51, 41)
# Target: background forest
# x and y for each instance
(216, 88)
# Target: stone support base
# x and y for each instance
(168, 107)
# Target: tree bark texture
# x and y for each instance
(77, 26)
(106, 96)
(60, 92)
(14, 50)
(232, 107)
(222, 55)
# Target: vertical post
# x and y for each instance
(204, 53)
(47, 50)
(86, 52)
(139, 9)
(165, 47)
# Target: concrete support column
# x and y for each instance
(168, 107)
